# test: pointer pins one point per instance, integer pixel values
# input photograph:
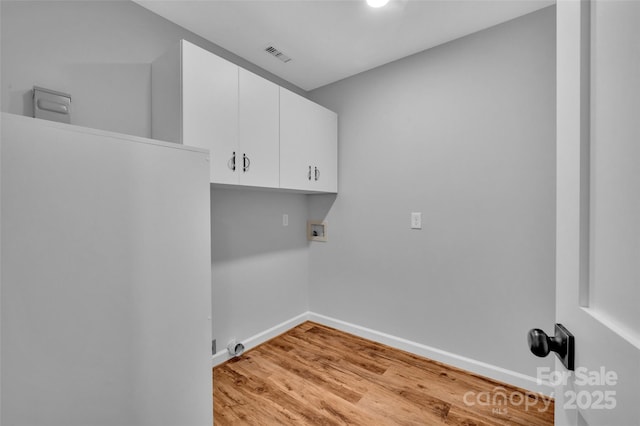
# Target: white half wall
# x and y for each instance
(105, 278)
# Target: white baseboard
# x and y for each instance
(478, 367)
(257, 339)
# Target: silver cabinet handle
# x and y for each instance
(232, 162)
(309, 173)
(317, 173)
(246, 163)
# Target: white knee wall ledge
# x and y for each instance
(474, 366)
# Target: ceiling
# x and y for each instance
(328, 40)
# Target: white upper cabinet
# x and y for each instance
(308, 145)
(259, 134)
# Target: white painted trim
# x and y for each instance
(478, 367)
(257, 339)
(99, 132)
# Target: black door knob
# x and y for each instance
(541, 344)
(562, 343)
(538, 342)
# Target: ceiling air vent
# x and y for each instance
(278, 54)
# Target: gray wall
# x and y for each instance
(101, 53)
(464, 133)
(260, 268)
(98, 51)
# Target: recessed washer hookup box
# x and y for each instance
(51, 105)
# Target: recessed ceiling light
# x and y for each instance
(377, 3)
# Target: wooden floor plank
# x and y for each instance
(313, 372)
(332, 406)
(316, 375)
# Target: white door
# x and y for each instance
(598, 210)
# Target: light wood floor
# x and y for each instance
(316, 375)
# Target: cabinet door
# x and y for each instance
(295, 158)
(308, 144)
(210, 109)
(258, 162)
(324, 148)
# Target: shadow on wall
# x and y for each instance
(247, 222)
(25, 98)
(319, 208)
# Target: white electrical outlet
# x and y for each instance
(416, 220)
(285, 220)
